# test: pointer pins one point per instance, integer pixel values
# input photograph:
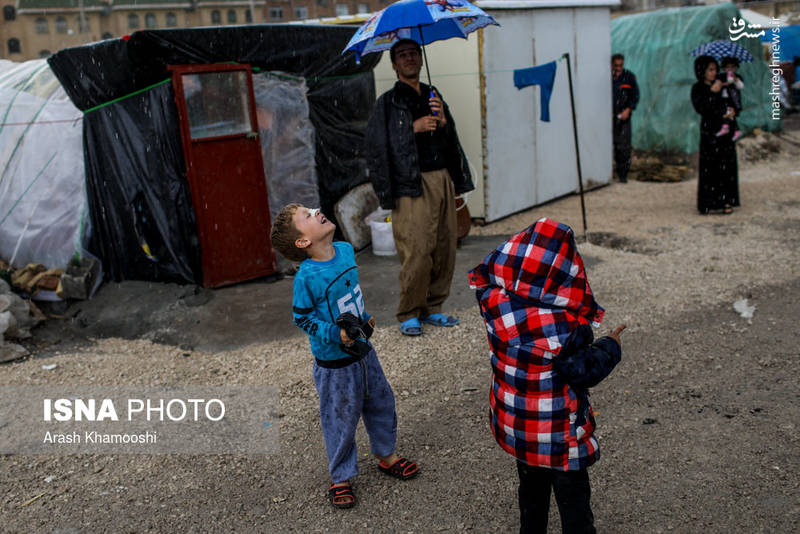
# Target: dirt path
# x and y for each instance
(718, 393)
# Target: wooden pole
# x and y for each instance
(577, 151)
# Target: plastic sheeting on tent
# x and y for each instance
(656, 46)
(43, 213)
(152, 206)
(144, 227)
(287, 140)
(126, 134)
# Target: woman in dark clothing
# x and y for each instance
(718, 180)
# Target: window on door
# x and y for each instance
(216, 103)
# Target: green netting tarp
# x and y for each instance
(656, 46)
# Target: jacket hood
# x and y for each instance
(541, 266)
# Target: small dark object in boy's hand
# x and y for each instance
(353, 326)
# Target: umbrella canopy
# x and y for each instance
(721, 49)
(424, 21)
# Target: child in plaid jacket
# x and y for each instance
(537, 306)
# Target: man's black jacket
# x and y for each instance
(392, 152)
(625, 91)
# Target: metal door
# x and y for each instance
(225, 171)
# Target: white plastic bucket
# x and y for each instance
(382, 238)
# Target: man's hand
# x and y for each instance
(345, 338)
(617, 331)
(716, 87)
(428, 123)
(625, 114)
(372, 322)
(437, 108)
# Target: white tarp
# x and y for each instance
(43, 209)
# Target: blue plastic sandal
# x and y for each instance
(411, 327)
(440, 319)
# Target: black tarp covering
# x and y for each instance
(138, 196)
(128, 155)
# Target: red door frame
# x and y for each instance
(211, 278)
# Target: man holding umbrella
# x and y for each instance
(417, 166)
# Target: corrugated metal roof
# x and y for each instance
(59, 4)
(75, 4)
(147, 2)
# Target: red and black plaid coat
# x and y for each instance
(533, 293)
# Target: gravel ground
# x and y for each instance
(697, 425)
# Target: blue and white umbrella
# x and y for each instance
(424, 21)
(721, 49)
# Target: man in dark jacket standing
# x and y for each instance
(417, 166)
(626, 96)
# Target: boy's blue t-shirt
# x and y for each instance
(323, 290)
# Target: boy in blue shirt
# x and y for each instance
(347, 373)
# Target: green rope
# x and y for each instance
(95, 108)
(284, 76)
(28, 188)
(288, 77)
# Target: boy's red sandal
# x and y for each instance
(402, 468)
(341, 495)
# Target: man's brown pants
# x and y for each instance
(424, 231)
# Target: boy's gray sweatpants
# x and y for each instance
(346, 394)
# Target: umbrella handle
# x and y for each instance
(425, 61)
(433, 94)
